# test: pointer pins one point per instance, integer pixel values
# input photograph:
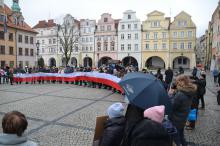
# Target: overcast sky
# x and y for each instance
(35, 10)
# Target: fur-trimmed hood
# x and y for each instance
(190, 88)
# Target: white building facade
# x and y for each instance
(48, 45)
(86, 42)
(129, 39)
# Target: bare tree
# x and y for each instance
(68, 35)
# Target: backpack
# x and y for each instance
(146, 133)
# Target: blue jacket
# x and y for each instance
(13, 139)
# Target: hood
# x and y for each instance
(189, 89)
(155, 113)
(12, 139)
(115, 121)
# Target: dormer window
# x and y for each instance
(15, 21)
(129, 16)
(105, 19)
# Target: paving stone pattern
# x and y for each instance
(64, 114)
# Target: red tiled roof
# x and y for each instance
(44, 24)
(24, 27)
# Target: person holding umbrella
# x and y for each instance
(143, 91)
(182, 100)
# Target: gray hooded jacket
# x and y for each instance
(14, 140)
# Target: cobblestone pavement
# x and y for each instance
(64, 114)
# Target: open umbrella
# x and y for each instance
(145, 91)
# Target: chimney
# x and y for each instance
(51, 21)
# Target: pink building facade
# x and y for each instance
(106, 39)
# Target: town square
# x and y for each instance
(95, 73)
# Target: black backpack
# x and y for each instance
(147, 133)
(218, 98)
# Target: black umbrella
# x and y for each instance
(145, 91)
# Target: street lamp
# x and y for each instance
(37, 45)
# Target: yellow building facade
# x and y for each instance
(155, 41)
(7, 48)
(182, 41)
(166, 44)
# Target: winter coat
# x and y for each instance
(182, 101)
(12, 139)
(169, 76)
(148, 133)
(113, 132)
(201, 87)
(132, 116)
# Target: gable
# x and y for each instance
(155, 13)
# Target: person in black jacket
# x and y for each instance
(202, 89)
(169, 76)
(182, 100)
(114, 127)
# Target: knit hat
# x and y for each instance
(115, 110)
(155, 113)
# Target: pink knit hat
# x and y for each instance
(155, 113)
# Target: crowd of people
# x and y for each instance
(137, 127)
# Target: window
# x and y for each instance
(129, 26)
(42, 41)
(26, 39)
(147, 36)
(102, 28)
(98, 38)
(41, 32)
(122, 26)
(179, 60)
(26, 52)
(54, 41)
(136, 47)
(182, 45)
(50, 41)
(11, 50)
(87, 48)
(155, 24)
(31, 52)
(135, 26)
(83, 40)
(155, 46)
(43, 50)
(51, 31)
(109, 27)
(129, 36)
(155, 35)
(189, 45)
(2, 18)
(99, 46)
(122, 36)
(136, 36)
(2, 63)
(31, 40)
(147, 46)
(164, 34)
(105, 19)
(61, 49)
(2, 35)
(20, 38)
(122, 47)
(164, 45)
(11, 63)
(174, 34)
(112, 46)
(129, 16)
(90, 48)
(10, 37)
(174, 46)
(87, 39)
(20, 52)
(182, 34)
(190, 34)
(2, 49)
(21, 64)
(129, 47)
(83, 48)
(105, 46)
(91, 39)
(184, 61)
(26, 63)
